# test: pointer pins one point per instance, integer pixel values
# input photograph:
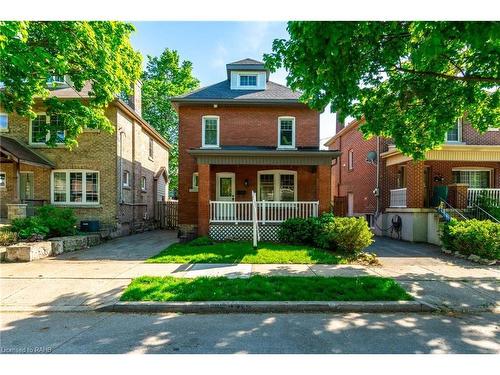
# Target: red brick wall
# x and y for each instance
(239, 125)
(472, 137)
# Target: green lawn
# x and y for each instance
(243, 252)
(265, 288)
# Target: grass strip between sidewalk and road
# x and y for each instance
(265, 288)
(243, 252)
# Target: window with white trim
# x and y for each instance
(56, 80)
(194, 182)
(278, 185)
(455, 133)
(248, 80)
(75, 187)
(286, 132)
(143, 183)
(4, 122)
(3, 180)
(350, 160)
(210, 131)
(473, 178)
(126, 179)
(39, 135)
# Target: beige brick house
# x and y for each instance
(114, 177)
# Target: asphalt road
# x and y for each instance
(91, 332)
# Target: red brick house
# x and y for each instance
(248, 134)
(376, 180)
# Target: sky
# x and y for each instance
(211, 45)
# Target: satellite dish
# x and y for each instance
(371, 157)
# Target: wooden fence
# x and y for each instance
(167, 214)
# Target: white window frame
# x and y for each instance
(460, 125)
(277, 173)
(194, 186)
(7, 128)
(47, 136)
(68, 187)
(476, 169)
(286, 118)
(5, 180)
(210, 117)
(126, 181)
(350, 160)
(240, 75)
(143, 183)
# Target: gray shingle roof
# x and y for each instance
(247, 61)
(222, 91)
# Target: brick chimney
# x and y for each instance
(135, 99)
(339, 125)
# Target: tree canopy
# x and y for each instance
(166, 76)
(411, 80)
(96, 52)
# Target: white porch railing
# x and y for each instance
(398, 198)
(267, 212)
(473, 195)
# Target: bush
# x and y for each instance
(490, 205)
(472, 237)
(348, 235)
(202, 241)
(49, 221)
(7, 237)
(302, 231)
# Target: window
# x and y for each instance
(473, 178)
(455, 133)
(210, 129)
(143, 183)
(56, 80)
(4, 122)
(38, 129)
(75, 187)
(401, 177)
(350, 160)
(126, 179)
(3, 180)
(151, 145)
(286, 132)
(194, 183)
(277, 186)
(248, 80)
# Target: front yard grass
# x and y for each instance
(265, 288)
(243, 252)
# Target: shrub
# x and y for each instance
(302, 231)
(472, 237)
(49, 221)
(348, 235)
(7, 237)
(490, 205)
(202, 241)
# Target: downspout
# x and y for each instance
(377, 183)
(122, 133)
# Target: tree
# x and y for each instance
(81, 52)
(411, 80)
(164, 77)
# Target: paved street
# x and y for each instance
(248, 333)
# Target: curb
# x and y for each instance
(223, 307)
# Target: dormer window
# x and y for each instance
(247, 80)
(56, 80)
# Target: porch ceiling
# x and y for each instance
(267, 156)
(19, 153)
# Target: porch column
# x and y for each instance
(324, 187)
(457, 195)
(415, 184)
(203, 198)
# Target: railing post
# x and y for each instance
(263, 207)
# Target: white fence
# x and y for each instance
(398, 197)
(473, 195)
(267, 212)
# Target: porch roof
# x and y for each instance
(20, 153)
(262, 155)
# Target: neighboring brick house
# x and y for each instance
(467, 163)
(248, 134)
(114, 177)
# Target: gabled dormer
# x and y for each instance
(247, 74)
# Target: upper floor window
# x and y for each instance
(286, 132)
(210, 131)
(38, 129)
(350, 160)
(151, 145)
(3, 180)
(4, 122)
(248, 80)
(126, 179)
(56, 80)
(455, 133)
(143, 183)
(75, 187)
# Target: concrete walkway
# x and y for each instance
(89, 278)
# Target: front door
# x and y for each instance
(225, 192)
